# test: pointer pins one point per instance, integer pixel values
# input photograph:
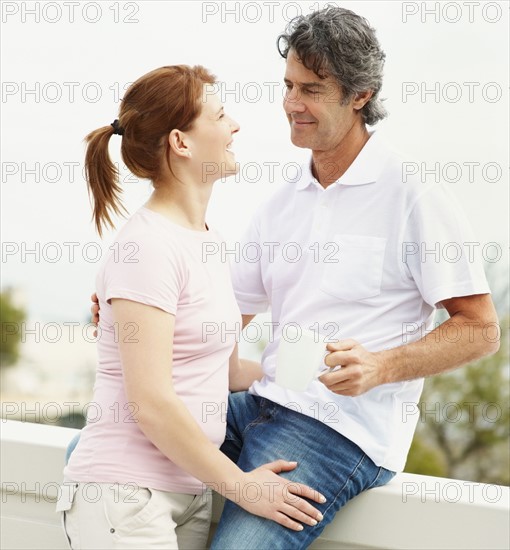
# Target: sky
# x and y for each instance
(65, 66)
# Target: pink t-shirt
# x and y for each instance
(183, 272)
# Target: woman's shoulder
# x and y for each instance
(148, 227)
(145, 237)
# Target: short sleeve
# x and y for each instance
(151, 274)
(247, 274)
(439, 250)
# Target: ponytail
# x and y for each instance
(163, 99)
(102, 179)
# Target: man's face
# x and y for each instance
(317, 119)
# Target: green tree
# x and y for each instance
(464, 421)
(463, 430)
(11, 318)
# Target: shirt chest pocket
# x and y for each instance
(358, 273)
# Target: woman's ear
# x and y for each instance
(178, 143)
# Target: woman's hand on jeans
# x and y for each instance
(271, 496)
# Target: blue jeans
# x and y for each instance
(260, 431)
(72, 446)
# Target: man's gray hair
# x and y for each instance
(337, 42)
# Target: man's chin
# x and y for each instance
(300, 142)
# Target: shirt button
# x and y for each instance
(112, 530)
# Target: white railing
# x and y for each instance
(411, 512)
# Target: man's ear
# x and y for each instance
(361, 99)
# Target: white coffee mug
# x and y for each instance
(300, 357)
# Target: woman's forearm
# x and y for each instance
(168, 424)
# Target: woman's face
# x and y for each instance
(211, 138)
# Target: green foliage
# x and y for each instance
(465, 417)
(426, 460)
(11, 318)
(73, 420)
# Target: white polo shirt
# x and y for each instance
(367, 258)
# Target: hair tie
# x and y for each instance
(117, 129)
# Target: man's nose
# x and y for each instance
(292, 102)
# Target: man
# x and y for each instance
(362, 270)
(361, 266)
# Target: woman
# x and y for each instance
(142, 472)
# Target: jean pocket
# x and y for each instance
(358, 273)
(127, 507)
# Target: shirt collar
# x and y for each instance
(365, 168)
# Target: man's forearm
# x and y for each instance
(455, 342)
(245, 375)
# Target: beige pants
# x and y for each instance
(111, 515)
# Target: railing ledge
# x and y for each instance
(410, 512)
